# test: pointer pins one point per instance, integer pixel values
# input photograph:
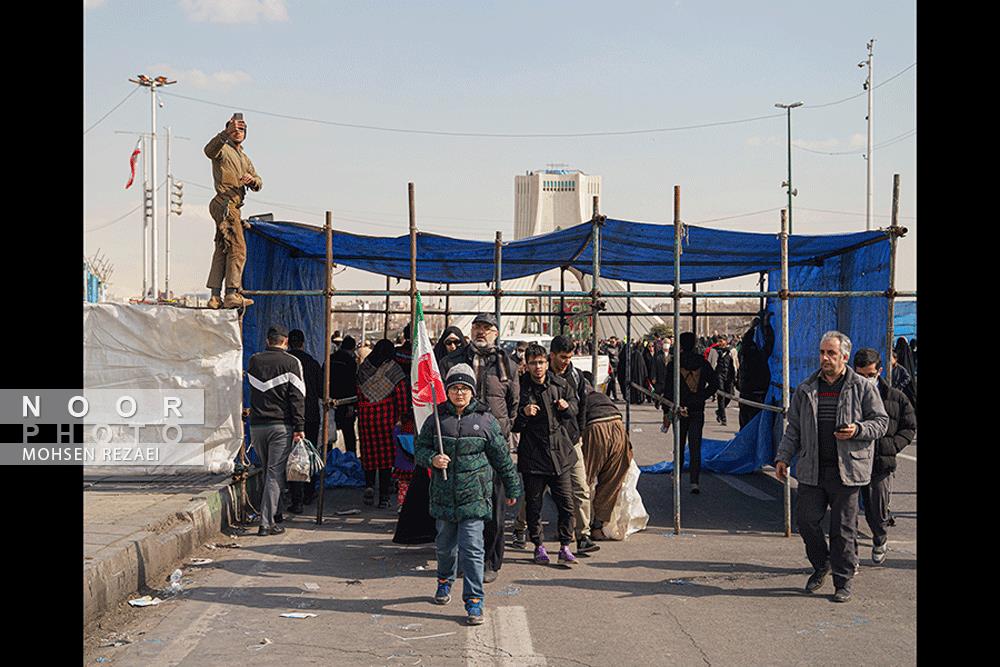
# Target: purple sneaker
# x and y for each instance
(566, 556)
(541, 555)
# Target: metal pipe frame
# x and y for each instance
(497, 277)
(684, 313)
(328, 295)
(678, 452)
(595, 275)
(893, 232)
(785, 359)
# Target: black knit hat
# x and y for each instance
(461, 374)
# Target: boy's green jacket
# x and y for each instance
(476, 447)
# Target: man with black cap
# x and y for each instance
(277, 418)
(498, 388)
(303, 492)
(232, 173)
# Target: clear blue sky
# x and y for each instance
(500, 67)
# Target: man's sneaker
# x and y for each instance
(723, 422)
(443, 593)
(586, 545)
(878, 553)
(857, 568)
(816, 580)
(541, 555)
(695, 489)
(842, 595)
(215, 302)
(489, 575)
(236, 300)
(474, 611)
(597, 534)
(566, 556)
(518, 540)
(279, 517)
(263, 532)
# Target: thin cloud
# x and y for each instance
(196, 78)
(91, 4)
(817, 144)
(234, 11)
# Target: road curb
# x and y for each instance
(152, 554)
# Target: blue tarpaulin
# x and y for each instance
(291, 256)
(904, 320)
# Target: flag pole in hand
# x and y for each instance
(437, 431)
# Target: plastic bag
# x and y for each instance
(298, 468)
(629, 515)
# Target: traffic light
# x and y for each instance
(176, 197)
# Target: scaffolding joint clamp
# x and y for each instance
(784, 294)
(891, 293)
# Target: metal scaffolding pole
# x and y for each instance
(627, 389)
(328, 230)
(562, 300)
(785, 358)
(447, 305)
(760, 288)
(678, 452)
(388, 306)
(891, 293)
(497, 273)
(413, 257)
(694, 312)
(595, 276)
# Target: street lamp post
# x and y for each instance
(788, 183)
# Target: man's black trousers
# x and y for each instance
(691, 428)
(493, 529)
(843, 503)
(561, 488)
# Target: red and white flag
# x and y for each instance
(424, 372)
(131, 163)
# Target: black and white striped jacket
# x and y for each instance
(277, 389)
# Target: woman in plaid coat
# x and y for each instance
(383, 400)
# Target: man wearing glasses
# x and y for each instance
(497, 387)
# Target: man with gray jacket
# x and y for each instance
(833, 420)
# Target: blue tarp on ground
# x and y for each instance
(285, 255)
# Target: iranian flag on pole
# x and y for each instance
(131, 163)
(424, 371)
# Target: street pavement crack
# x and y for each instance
(704, 657)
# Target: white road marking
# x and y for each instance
(907, 457)
(503, 640)
(743, 487)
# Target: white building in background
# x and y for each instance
(551, 199)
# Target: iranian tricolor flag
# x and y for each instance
(131, 163)
(424, 372)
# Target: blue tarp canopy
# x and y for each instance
(291, 256)
(904, 321)
(636, 251)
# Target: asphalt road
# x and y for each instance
(726, 591)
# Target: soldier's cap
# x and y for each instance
(486, 318)
(461, 374)
(277, 330)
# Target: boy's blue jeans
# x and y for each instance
(461, 543)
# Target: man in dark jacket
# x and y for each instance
(498, 389)
(900, 432)
(561, 363)
(277, 418)
(721, 359)
(344, 384)
(754, 376)
(304, 492)
(545, 453)
(612, 351)
(698, 384)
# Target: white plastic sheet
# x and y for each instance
(629, 515)
(138, 346)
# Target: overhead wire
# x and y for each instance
(884, 144)
(515, 135)
(122, 216)
(112, 110)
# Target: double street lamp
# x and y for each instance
(788, 183)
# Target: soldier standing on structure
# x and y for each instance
(232, 173)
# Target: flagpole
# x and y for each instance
(437, 431)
